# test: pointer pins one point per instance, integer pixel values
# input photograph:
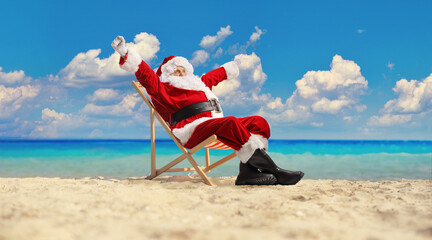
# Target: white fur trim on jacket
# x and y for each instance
(184, 133)
(249, 147)
(132, 62)
(231, 69)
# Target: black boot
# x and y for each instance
(261, 160)
(251, 176)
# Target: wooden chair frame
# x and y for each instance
(210, 142)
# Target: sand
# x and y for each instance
(181, 208)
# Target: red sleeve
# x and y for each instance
(123, 59)
(148, 78)
(214, 77)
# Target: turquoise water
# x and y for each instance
(319, 159)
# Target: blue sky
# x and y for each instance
(313, 69)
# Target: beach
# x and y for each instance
(180, 207)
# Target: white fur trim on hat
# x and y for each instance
(249, 147)
(132, 62)
(231, 69)
(169, 67)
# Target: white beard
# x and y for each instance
(190, 82)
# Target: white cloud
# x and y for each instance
(348, 118)
(275, 104)
(54, 124)
(243, 95)
(226, 87)
(104, 94)
(12, 78)
(249, 82)
(218, 53)
(199, 57)
(12, 99)
(93, 120)
(327, 106)
(415, 99)
(390, 65)
(256, 35)
(321, 92)
(51, 115)
(343, 79)
(124, 108)
(251, 72)
(361, 108)
(387, 120)
(211, 42)
(96, 133)
(17, 127)
(317, 124)
(18, 105)
(87, 69)
(360, 31)
(335, 91)
(146, 45)
(288, 114)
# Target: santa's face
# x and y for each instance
(179, 71)
(181, 78)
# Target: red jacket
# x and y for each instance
(168, 98)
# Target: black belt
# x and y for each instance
(194, 109)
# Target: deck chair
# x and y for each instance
(209, 143)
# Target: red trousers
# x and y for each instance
(232, 131)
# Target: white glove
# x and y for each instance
(119, 45)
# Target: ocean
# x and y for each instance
(319, 159)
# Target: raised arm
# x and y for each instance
(228, 71)
(132, 62)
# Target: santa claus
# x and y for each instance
(192, 110)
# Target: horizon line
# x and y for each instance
(168, 139)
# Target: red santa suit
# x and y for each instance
(170, 94)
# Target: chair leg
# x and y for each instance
(199, 170)
(153, 143)
(220, 162)
(168, 166)
(207, 157)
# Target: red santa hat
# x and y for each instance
(170, 64)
